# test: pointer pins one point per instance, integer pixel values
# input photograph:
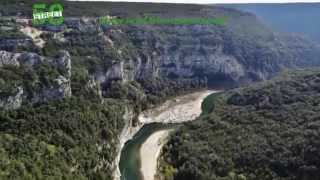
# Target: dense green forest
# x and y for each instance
(66, 139)
(266, 131)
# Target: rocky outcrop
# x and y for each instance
(220, 55)
(31, 84)
(12, 102)
(34, 34)
(7, 58)
(239, 52)
(127, 133)
(32, 59)
(60, 89)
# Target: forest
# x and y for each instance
(265, 131)
(75, 137)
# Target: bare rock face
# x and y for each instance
(184, 56)
(32, 84)
(218, 55)
(64, 61)
(12, 102)
(61, 89)
(239, 52)
(7, 58)
(30, 59)
(115, 72)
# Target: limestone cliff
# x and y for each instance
(23, 79)
(179, 56)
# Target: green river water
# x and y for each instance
(130, 155)
(129, 164)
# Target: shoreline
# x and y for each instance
(178, 110)
(151, 150)
(166, 113)
(127, 133)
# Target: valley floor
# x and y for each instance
(178, 110)
(150, 151)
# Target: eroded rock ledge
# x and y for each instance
(30, 78)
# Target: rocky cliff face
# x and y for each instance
(184, 56)
(216, 55)
(23, 79)
(242, 51)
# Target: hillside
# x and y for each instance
(295, 18)
(67, 92)
(265, 131)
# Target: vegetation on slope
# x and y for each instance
(67, 139)
(76, 137)
(266, 131)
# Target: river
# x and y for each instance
(130, 162)
(138, 159)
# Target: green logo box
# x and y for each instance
(44, 14)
